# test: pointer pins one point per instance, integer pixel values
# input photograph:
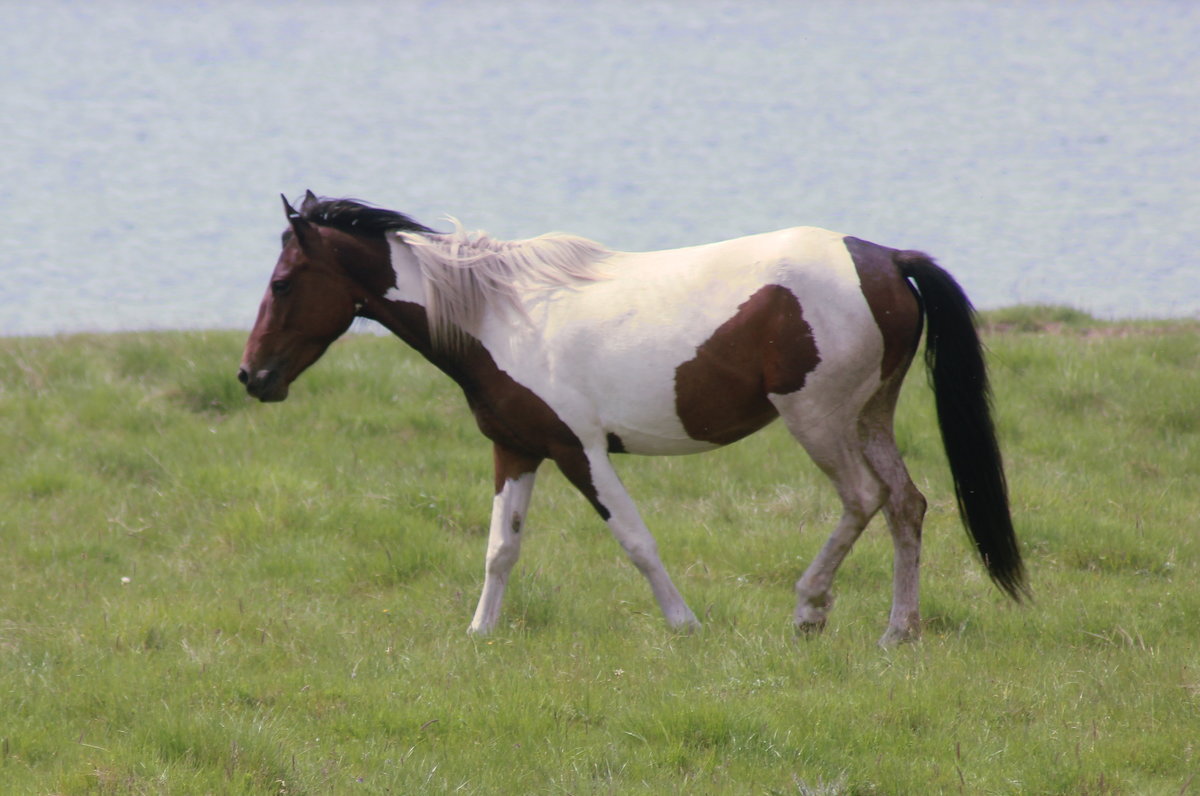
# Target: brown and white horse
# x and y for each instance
(570, 352)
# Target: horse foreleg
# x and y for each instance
(593, 474)
(515, 476)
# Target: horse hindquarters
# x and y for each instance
(843, 416)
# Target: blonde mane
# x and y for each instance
(465, 273)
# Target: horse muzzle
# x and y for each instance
(265, 385)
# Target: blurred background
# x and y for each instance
(1042, 151)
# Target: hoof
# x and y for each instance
(809, 629)
(686, 626)
(894, 637)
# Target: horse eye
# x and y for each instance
(281, 287)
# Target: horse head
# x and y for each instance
(310, 301)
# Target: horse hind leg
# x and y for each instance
(905, 512)
(839, 451)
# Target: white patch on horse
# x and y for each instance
(406, 274)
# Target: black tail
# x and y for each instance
(954, 358)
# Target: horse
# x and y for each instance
(569, 351)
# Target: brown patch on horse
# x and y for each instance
(508, 413)
(513, 416)
(893, 303)
(766, 347)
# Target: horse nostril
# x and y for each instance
(243, 375)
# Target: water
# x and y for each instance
(1043, 151)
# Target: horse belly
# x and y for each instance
(637, 371)
(635, 403)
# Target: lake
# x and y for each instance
(1042, 151)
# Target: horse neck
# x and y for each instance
(444, 286)
(467, 363)
(401, 309)
(463, 277)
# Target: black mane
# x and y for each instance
(350, 215)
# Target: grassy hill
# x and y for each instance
(203, 594)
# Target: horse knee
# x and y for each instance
(502, 557)
(867, 497)
(878, 496)
(644, 555)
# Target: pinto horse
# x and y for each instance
(568, 351)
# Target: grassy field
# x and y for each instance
(200, 594)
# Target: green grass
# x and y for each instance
(201, 594)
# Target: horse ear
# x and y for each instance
(304, 231)
(310, 199)
(288, 210)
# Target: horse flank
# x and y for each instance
(465, 272)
